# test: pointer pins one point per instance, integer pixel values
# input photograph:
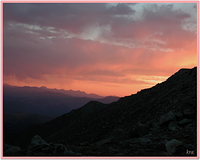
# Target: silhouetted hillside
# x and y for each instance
(159, 121)
(17, 121)
(108, 99)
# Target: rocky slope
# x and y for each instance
(159, 121)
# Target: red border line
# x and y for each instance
(1, 100)
(198, 80)
(159, 157)
(98, 1)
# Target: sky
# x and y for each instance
(106, 49)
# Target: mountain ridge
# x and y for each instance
(70, 92)
(42, 101)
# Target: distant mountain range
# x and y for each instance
(158, 121)
(44, 101)
(71, 93)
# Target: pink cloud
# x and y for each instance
(44, 41)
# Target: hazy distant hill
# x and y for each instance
(159, 121)
(43, 101)
(108, 99)
(25, 89)
(40, 102)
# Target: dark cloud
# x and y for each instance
(158, 22)
(195, 6)
(163, 15)
(47, 39)
(65, 16)
(120, 9)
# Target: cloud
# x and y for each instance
(155, 19)
(69, 16)
(108, 43)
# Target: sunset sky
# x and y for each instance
(106, 49)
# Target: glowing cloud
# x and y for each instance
(107, 49)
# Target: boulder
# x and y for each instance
(105, 141)
(60, 149)
(176, 147)
(38, 141)
(40, 147)
(184, 122)
(141, 140)
(173, 125)
(85, 144)
(5, 147)
(119, 134)
(138, 131)
(11, 150)
(166, 118)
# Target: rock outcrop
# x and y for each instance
(38, 147)
(176, 147)
(10, 150)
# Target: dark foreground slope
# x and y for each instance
(18, 121)
(159, 121)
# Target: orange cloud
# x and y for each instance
(117, 54)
